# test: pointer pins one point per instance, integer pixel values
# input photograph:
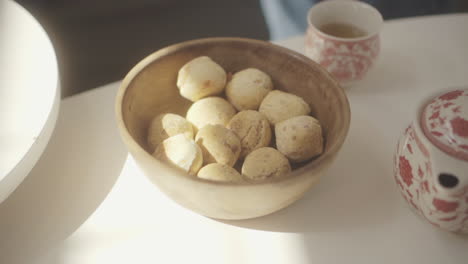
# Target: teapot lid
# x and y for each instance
(444, 122)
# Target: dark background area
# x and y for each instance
(99, 41)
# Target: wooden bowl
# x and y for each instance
(150, 88)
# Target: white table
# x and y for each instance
(354, 215)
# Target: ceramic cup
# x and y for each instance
(347, 58)
(431, 161)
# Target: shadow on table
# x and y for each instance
(75, 173)
(357, 191)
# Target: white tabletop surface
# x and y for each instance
(354, 215)
(29, 94)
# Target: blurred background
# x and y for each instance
(99, 41)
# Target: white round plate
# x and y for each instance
(29, 94)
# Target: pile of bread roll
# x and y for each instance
(239, 122)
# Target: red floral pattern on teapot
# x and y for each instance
(430, 164)
(445, 123)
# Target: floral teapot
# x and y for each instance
(431, 162)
